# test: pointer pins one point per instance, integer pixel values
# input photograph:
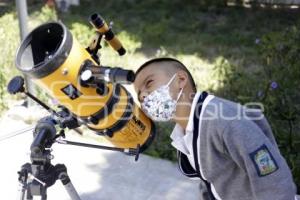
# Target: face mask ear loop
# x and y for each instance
(170, 81)
(179, 94)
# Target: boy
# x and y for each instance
(231, 148)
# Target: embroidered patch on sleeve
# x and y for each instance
(263, 160)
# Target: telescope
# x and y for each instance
(89, 93)
(89, 90)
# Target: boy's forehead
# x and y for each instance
(153, 70)
(150, 68)
(147, 71)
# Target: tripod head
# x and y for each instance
(44, 137)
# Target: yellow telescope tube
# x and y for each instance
(55, 60)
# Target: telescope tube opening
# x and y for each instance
(44, 50)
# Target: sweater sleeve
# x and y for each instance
(269, 175)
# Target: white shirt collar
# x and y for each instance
(177, 137)
(190, 124)
(178, 134)
(182, 139)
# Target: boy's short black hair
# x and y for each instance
(176, 63)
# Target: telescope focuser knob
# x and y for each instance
(16, 85)
(93, 120)
(108, 133)
(102, 89)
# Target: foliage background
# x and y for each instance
(238, 53)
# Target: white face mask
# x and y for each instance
(159, 105)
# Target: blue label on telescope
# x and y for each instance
(71, 91)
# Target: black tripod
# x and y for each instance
(37, 176)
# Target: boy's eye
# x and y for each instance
(148, 83)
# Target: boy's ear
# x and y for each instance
(182, 78)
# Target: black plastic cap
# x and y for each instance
(96, 20)
(16, 85)
(130, 76)
(121, 51)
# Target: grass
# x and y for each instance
(172, 28)
(199, 37)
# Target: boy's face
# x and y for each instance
(150, 78)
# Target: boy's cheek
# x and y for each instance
(173, 93)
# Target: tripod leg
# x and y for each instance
(71, 190)
(23, 176)
(44, 193)
(28, 194)
(25, 193)
(22, 192)
(65, 179)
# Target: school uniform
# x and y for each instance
(232, 150)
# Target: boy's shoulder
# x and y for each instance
(220, 112)
(230, 110)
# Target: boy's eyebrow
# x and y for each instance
(146, 79)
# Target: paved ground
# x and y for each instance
(96, 174)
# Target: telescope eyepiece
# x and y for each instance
(97, 74)
(119, 75)
(92, 74)
(96, 20)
